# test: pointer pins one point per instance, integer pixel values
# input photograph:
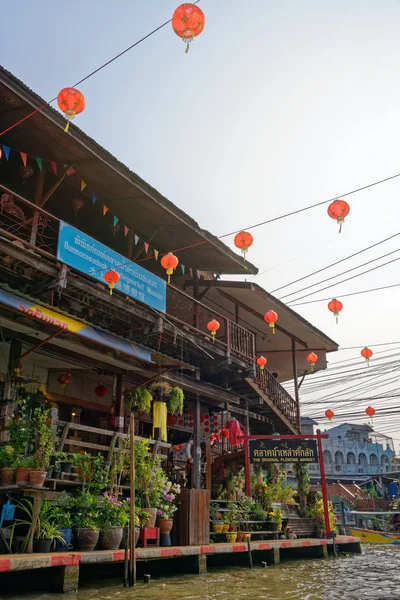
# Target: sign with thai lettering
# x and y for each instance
(83, 253)
(283, 451)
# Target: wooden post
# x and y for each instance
(196, 445)
(323, 483)
(37, 196)
(132, 557)
(247, 465)
(119, 404)
(296, 385)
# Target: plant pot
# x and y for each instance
(7, 477)
(273, 526)
(291, 536)
(111, 538)
(86, 539)
(37, 478)
(67, 543)
(231, 538)
(137, 534)
(151, 521)
(225, 527)
(43, 546)
(165, 525)
(66, 467)
(218, 527)
(22, 476)
(239, 537)
(246, 536)
(318, 534)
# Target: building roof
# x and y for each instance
(308, 421)
(137, 204)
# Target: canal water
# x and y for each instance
(373, 575)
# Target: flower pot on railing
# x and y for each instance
(22, 476)
(7, 477)
(86, 539)
(151, 521)
(165, 525)
(44, 546)
(37, 478)
(66, 545)
(111, 538)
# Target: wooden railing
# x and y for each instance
(372, 504)
(278, 395)
(23, 222)
(337, 489)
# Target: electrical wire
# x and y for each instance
(385, 287)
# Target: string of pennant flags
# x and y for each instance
(7, 150)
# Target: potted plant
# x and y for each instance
(149, 480)
(113, 518)
(160, 389)
(7, 465)
(276, 518)
(62, 518)
(85, 515)
(216, 518)
(167, 506)
(176, 399)
(47, 533)
(245, 507)
(24, 465)
(44, 447)
(141, 519)
(139, 399)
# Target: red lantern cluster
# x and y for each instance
(178, 447)
(243, 240)
(335, 306)
(169, 262)
(112, 278)
(338, 210)
(271, 318)
(188, 22)
(71, 102)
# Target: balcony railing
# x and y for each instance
(34, 228)
(278, 395)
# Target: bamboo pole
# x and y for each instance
(132, 557)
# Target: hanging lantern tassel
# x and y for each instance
(213, 327)
(72, 102)
(312, 359)
(338, 210)
(335, 306)
(188, 22)
(271, 318)
(243, 240)
(169, 262)
(366, 353)
(111, 277)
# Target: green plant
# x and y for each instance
(93, 471)
(262, 493)
(141, 517)
(62, 518)
(44, 442)
(233, 515)
(26, 462)
(315, 511)
(258, 513)
(149, 477)
(215, 513)
(85, 511)
(276, 516)
(7, 457)
(160, 389)
(167, 504)
(176, 399)
(60, 457)
(303, 480)
(139, 399)
(46, 526)
(48, 530)
(112, 512)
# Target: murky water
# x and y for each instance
(374, 575)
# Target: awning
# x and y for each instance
(83, 330)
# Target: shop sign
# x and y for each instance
(283, 451)
(87, 255)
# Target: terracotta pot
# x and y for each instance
(165, 525)
(7, 477)
(239, 537)
(218, 527)
(151, 522)
(22, 476)
(36, 478)
(246, 535)
(111, 538)
(225, 527)
(86, 539)
(231, 538)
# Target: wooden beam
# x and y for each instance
(272, 406)
(42, 201)
(77, 402)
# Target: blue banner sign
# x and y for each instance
(83, 253)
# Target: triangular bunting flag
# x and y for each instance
(146, 247)
(39, 162)
(70, 171)
(155, 254)
(83, 185)
(94, 198)
(126, 230)
(205, 274)
(6, 151)
(191, 272)
(54, 166)
(136, 239)
(24, 156)
(218, 276)
(105, 210)
(183, 268)
(115, 221)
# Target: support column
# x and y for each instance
(322, 551)
(277, 556)
(119, 404)
(67, 579)
(196, 445)
(295, 381)
(200, 564)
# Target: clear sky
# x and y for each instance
(277, 105)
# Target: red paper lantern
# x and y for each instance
(225, 433)
(101, 390)
(338, 210)
(271, 318)
(335, 306)
(191, 424)
(169, 262)
(188, 22)
(206, 430)
(64, 378)
(243, 240)
(329, 414)
(71, 102)
(312, 359)
(370, 411)
(213, 327)
(366, 353)
(172, 420)
(261, 362)
(111, 277)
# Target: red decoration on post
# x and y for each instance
(370, 411)
(312, 359)
(335, 306)
(71, 102)
(188, 22)
(225, 433)
(235, 432)
(366, 353)
(271, 318)
(261, 362)
(64, 378)
(101, 390)
(111, 277)
(338, 210)
(169, 262)
(213, 327)
(329, 414)
(243, 240)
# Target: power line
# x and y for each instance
(385, 287)
(335, 263)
